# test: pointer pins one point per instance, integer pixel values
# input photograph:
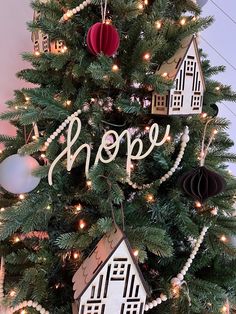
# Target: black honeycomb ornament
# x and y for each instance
(202, 183)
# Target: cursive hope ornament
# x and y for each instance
(112, 148)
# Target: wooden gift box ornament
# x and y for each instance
(185, 70)
(109, 281)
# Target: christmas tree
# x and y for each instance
(127, 165)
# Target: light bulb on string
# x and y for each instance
(115, 68)
(37, 53)
(150, 198)
(165, 74)
(1, 151)
(158, 24)
(16, 240)
(204, 115)
(136, 253)
(78, 208)
(140, 6)
(23, 312)
(183, 21)
(75, 255)
(82, 224)
(2, 209)
(21, 197)
(223, 238)
(198, 204)
(168, 138)
(147, 56)
(215, 132)
(217, 88)
(108, 21)
(12, 293)
(89, 184)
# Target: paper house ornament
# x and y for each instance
(42, 42)
(109, 281)
(186, 95)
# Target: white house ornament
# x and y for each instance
(109, 281)
(5, 309)
(186, 95)
(16, 174)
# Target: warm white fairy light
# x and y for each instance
(2, 209)
(183, 21)
(16, 240)
(82, 224)
(140, 6)
(48, 207)
(150, 198)
(198, 205)
(78, 208)
(12, 293)
(223, 238)
(89, 183)
(75, 255)
(217, 88)
(37, 53)
(21, 197)
(136, 253)
(115, 68)
(204, 115)
(215, 132)
(147, 56)
(158, 24)
(165, 74)
(23, 312)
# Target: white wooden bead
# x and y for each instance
(154, 303)
(30, 303)
(52, 137)
(150, 306)
(146, 307)
(188, 264)
(39, 307)
(193, 255)
(74, 11)
(64, 124)
(43, 311)
(185, 138)
(159, 301)
(175, 281)
(183, 272)
(79, 111)
(180, 277)
(185, 268)
(81, 6)
(49, 140)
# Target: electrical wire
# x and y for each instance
(219, 54)
(223, 11)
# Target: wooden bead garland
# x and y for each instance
(184, 141)
(68, 15)
(61, 128)
(177, 281)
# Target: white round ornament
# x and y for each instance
(16, 174)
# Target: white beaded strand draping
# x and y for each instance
(178, 280)
(4, 309)
(68, 15)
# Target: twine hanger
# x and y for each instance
(104, 10)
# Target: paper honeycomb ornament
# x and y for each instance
(42, 42)
(184, 69)
(109, 280)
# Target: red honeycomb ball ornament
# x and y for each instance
(103, 38)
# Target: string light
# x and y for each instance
(165, 74)
(150, 198)
(2, 209)
(89, 184)
(37, 53)
(215, 132)
(194, 18)
(16, 240)
(146, 2)
(140, 6)
(12, 293)
(34, 137)
(78, 208)
(217, 88)
(183, 21)
(76, 255)
(1, 151)
(82, 224)
(21, 196)
(136, 253)
(64, 49)
(168, 138)
(27, 98)
(147, 128)
(223, 238)
(108, 21)
(204, 115)
(16, 107)
(147, 56)
(23, 312)
(198, 205)
(48, 207)
(115, 68)
(158, 24)
(42, 155)
(68, 102)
